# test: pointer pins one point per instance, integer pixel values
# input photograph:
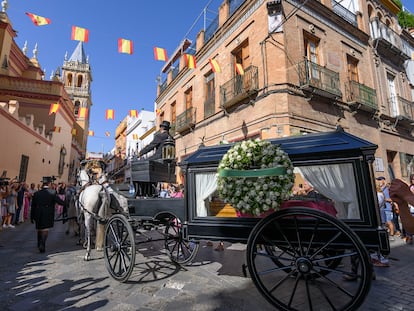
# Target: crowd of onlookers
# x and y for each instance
(16, 198)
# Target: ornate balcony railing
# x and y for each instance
(163, 86)
(209, 106)
(185, 120)
(344, 13)
(240, 87)
(381, 31)
(400, 107)
(358, 93)
(313, 76)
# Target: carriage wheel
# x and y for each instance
(119, 248)
(180, 250)
(293, 258)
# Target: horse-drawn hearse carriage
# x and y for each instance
(300, 257)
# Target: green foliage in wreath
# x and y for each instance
(255, 195)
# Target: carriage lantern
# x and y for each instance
(168, 150)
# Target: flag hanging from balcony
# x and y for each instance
(53, 108)
(239, 69)
(57, 129)
(160, 54)
(214, 65)
(38, 20)
(135, 136)
(133, 113)
(83, 112)
(190, 61)
(74, 132)
(91, 133)
(107, 134)
(158, 111)
(125, 46)
(80, 34)
(110, 114)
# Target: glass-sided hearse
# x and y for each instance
(311, 254)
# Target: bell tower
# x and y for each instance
(77, 78)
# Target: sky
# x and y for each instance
(120, 81)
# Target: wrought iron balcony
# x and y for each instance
(400, 107)
(209, 106)
(240, 87)
(319, 80)
(387, 41)
(362, 95)
(344, 13)
(185, 120)
(163, 86)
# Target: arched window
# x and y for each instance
(77, 106)
(69, 79)
(80, 80)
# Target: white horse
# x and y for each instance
(98, 202)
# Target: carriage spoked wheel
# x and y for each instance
(304, 259)
(119, 248)
(181, 251)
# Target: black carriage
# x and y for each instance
(305, 256)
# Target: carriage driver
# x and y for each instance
(157, 142)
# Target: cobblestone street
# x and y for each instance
(61, 280)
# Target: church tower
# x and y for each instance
(77, 78)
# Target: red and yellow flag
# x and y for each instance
(133, 113)
(160, 54)
(80, 34)
(158, 111)
(110, 114)
(74, 132)
(107, 134)
(190, 61)
(38, 20)
(125, 46)
(57, 129)
(54, 108)
(135, 136)
(214, 65)
(83, 112)
(239, 69)
(91, 133)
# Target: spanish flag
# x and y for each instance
(57, 129)
(107, 134)
(158, 111)
(239, 69)
(83, 112)
(160, 54)
(190, 61)
(80, 34)
(38, 20)
(110, 114)
(214, 65)
(125, 46)
(74, 132)
(54, 108)
(133, 113)
(135, 136)
(91, 133)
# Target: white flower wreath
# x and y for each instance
(255, 176)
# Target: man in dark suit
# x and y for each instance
(43, 211)
(158, 142)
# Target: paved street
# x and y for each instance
(61, 280)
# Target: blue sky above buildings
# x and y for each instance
(120, 81)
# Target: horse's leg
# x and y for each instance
(88, 236)
(100, 228)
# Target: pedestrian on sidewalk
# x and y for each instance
(43, 211)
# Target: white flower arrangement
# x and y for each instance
(255, 176)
